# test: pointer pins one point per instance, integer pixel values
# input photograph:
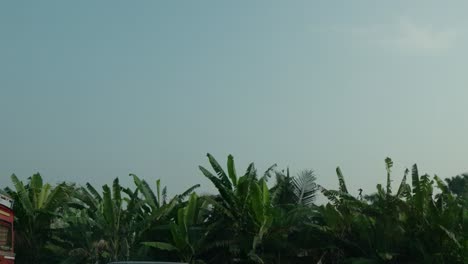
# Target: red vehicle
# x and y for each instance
(7, 255)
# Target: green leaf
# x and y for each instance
(257, 202)
(158, 192)
(441, 185)
(232, 170)
(266, 194)
(22, 195)
(451, 235)
(218, 206)
(144, 188)
(305, 188)
(43, 195)
(415, 180)
(56, 198)
(116, 189)
(251, 171)
(388, 167)
(36, 182)
(341, 180)
(268, 172)
(402, 187)
(191, 210)
(219, 171)
(223, 190)
(93, 191)
(108, 206)
(188, 192)
(35, 186)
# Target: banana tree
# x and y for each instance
(459, 185)
(105, 217)
(109, 226)
(362, 231)
(241, 214)
(155, 210)
(98, 226)
(187, 232)
(414, 224)
(437, 221)
(37, 206)
(82, 241)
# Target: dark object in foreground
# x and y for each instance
(146, 262)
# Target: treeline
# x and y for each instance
(424, 221)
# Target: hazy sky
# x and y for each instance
(92, 90)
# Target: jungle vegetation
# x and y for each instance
(269, 217)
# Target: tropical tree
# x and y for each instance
(187, 232)
(37, 206)
(99, 227)
(293, 208)
(411, 226)
(299, 190)
(100, 233)
(424, 220)
(156, 212)
(459, 185)
(111, 226)
(241, 214)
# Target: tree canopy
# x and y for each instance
(269, 217)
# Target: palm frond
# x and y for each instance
(305, 188)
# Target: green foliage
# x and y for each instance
(459, 185)
(37, 208)
(248, 220)
(187, 232)
(242, 213)
(413, 226)
(305, 188)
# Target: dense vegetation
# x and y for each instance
(254, 218)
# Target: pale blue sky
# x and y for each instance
(91, 90)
